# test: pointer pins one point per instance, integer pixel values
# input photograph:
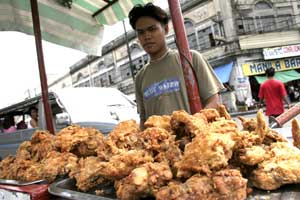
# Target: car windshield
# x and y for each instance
(92, 104)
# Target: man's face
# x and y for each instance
(151, 34)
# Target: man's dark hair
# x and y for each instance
(148, 10)
(270, 72)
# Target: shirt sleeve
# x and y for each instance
(208, 83)
(282, 89)
(140, 102)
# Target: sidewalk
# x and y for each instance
(249, 112)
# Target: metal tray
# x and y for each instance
(66, 188)
(20, 183)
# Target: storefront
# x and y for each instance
(285, 60)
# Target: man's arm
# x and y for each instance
(213, 101)
(261, 101)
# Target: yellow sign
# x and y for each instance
(250, 69)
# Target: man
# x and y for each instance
(159, 86)
(273, 91)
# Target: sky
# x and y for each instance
(19, 74)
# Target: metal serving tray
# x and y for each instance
(66, 188)
(20, 183)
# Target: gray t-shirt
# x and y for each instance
(160, 87)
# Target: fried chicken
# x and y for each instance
(58, 164)
(93, 170)
(248, 124)
(296, 133)
(187, 125)
(41, 144)
(226, 184)
(163, 121)
(223, 112)
(124, 136)
(211, 114)
(81, 141)
(143, 181)
(207, 152)
(280, 167)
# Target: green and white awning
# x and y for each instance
(79, 26)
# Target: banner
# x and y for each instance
(281, 52)
(250, 69)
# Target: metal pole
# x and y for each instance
(128, 51)
(183, 48)
(42, 71)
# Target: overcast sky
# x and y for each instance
(19, 67)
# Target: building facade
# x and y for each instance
(236, 36)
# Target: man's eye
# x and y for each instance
(140, 32)
(152, 29)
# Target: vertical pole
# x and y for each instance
(183, 48)
(128, 51)
(43, 77)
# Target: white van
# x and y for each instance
(101, 108)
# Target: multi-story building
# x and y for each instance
(236, 36)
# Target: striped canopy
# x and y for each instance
(76, 24)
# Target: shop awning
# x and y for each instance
(223, 72)
(284, 76)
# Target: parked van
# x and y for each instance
(101, 108)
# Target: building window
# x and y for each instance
(97, 82)
(262, 5)
(266, 23)
(285, 22)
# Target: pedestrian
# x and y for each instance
(273, 92)
(160, 86)
(33, 112)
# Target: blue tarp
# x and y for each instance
(223, 72)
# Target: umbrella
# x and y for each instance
(79, 24)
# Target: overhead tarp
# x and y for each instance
(284, 76)
(223, 72)
(78, 26)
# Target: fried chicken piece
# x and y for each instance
(252, 155)
(27, 170)
(87, 175)
(161, 144)
(81, 141)
(42, 142)
(296, 133)
(248, 124)
(224, 126)
(280, 167)
(188, 124)
(163, 121)
(124, 136)
(223, 112)
(58, 164)
(226, 184)
(271, 135)
(207, 152)
(93, 170)
(6, 166)
(143, 181)
(156, 139)
(211, 114)
(24, 151)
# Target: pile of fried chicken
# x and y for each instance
(179, 157)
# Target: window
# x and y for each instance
(285, 22)
(191, 34)
(125, 71)
(266, 23)
(262, 5)
(97, 82)
(203, 38)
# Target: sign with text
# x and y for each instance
(250, 69)
(281, 52)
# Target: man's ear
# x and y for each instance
(166, 27)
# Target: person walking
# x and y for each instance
(160, 86)
(273, 92)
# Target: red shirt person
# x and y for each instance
(273, 92)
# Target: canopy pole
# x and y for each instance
(42, 71)
(185, 56)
